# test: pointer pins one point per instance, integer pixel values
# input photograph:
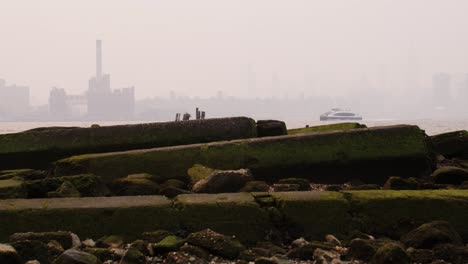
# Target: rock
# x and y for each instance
(334, 188)
(304, 185)
(271, 248)
(89, 243)
(332, 240)
(67, 189)
(33, 249)
(199, 172)
(398, 183)
(286, 187)
(8, 255)
(223, 181)
(65, 238)
(362, 249)
(325, 256)
(450, 175)
(169, 243)
(133, 256)
(129, 187)
(267, 128)
(172, 192)
(256, 186)
(183, 258)
(33, 262)
(391, 253)
(12, 189)
(103, 254)
(141, 246)
(431, 234)
(306, 251)
(452, 144)
(299, 242)
(194, 251)
(55, 248)
(73, 256)
(423, 256)
(144, 176)
(110, 241)
(156, 236)
(216, 243)
(451, 253)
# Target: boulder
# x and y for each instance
(306, 251)
(8, 255)
(33, 249)
(423, 256)
(133, 256)
(156, 236)
(326, 256)
(103, 254)
(391, 253)
(12, 188)
(223, 181)
(65, 238)
(452, 144)
(216, 243)
(194, 251)
(286, 187)
(398, 183)
(169, 243)
(174, 183)
(267, 128)
(431, 234)
(451, 253)
(363, 249)
(110, 242)
(73, 256)
(144, 176)
(171, 192)
(450, 175)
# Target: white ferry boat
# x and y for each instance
(339, 114)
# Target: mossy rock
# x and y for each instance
(65, 238)
(175, 184)
(304, 184)
(169, 243)
(33, 249)
(73, 256)
(216, 243)
(133, 256)
(103, 254)
(306, 251)
(113, 241)
(326, 128)
(86, 184)
(391, 253)
(144, 176)
(156, 236)
(382, 212)
(227, 214)
(452, 144)
(431, 234)
(25, 174)
(12, 188)
(199, 172)
(256, 186)
(67, 189)
(398, 183)
(450, 175)
(373, 154)
(38, 148)
(268, 128)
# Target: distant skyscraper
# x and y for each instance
(105, 103)
(441, 83)
(14, 100)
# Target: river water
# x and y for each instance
(431, 126)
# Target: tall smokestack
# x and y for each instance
(98, 59)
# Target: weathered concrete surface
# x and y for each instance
(370, 153)
(90, 217)
(308, 214)
(452, 144)
(38, 147)
(326, 128)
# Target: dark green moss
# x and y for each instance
(326, 128)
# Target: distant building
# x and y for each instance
(14, 100)
(105, 103)
(441, 83)
(59, 107)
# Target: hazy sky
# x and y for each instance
(315, 47)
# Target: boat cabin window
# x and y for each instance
(345, 114)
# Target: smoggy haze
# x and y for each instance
(320, 47)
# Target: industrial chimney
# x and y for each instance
(98, 59)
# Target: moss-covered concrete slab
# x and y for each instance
(325, 128)
(88, 217)
(452, 144)
(234, 214)
(38, 147)
(375, 153)
(395, 212)
(314, 214)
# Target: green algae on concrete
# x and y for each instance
(88, 217)
(374, 152)
(393, 213)
(38, 147)
(12, 188)
(325, 128)
(235, 214)
(314, 214)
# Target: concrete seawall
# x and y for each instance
(38, 147)
(249, 216)
(370, 153)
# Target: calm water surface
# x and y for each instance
(431, 126)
